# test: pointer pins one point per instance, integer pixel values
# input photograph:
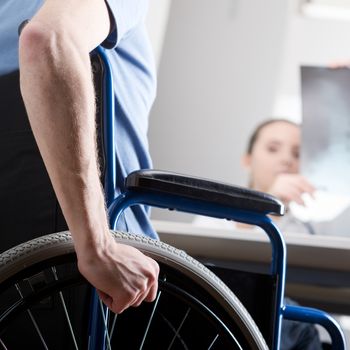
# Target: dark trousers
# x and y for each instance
(29, 209)
(28, 205)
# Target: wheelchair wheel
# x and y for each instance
(44, 302)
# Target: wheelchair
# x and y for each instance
(193, 309)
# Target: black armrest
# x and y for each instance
(162, 182)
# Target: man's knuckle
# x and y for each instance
(143, 289)
(153, 278)
(130, 295)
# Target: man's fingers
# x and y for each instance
(140, 298)
(117, 304)
(120, 303)
(152, 292)
(106, 299)
(149, 294)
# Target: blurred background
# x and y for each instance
(226, 65)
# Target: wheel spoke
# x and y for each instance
(150, 320)
(65, 310)
(33, 320)
(179, 338)
(105, 324)
(3, 345)
(111, 333)
(213, 342)
(179, 328)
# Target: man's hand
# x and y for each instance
(291, 187)
(123, 276)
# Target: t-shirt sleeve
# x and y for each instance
(124, 16)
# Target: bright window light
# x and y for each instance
(327, 9)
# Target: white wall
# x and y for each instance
(156, 23)
(217, 78)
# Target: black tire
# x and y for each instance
(195, 282)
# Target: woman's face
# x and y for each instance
(276, 151)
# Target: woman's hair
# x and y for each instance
(254, 136)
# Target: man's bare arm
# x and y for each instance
(58, 92)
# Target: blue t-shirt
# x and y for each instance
(133, 68)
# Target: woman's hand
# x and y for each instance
(290, 188)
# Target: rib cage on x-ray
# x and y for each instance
(325, 156)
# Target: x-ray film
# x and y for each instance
(325, 151)
(325, 155)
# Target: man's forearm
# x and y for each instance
(57, 88)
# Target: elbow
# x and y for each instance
(35, 43)
(40, 46)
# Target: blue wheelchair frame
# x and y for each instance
(116, 205)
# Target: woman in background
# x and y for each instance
(272, 161)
